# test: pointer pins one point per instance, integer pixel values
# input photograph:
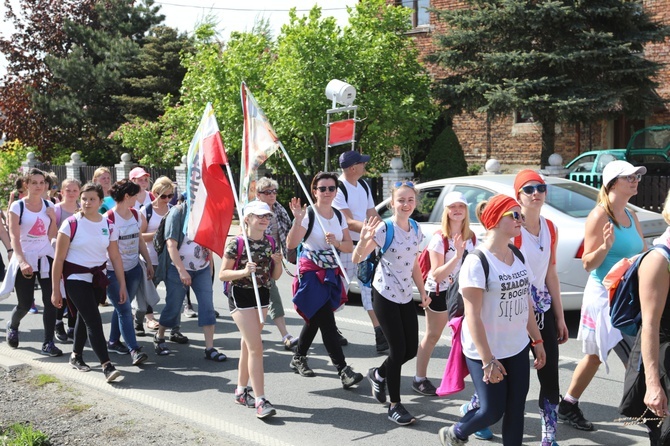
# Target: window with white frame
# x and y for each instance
(420, 15)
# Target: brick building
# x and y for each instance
(519, 143)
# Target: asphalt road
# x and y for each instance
(314, 410)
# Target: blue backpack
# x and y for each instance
(623, 293)
(366, 269)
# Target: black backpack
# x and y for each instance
(159, 236)
(293, 254)
(343, 188)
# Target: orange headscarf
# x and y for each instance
(524, 177)
(495, 208)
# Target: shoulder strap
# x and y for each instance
(59, 212)
(22, 206)
(485, 265)
(273, 244)
(364, 183)
(339, 215)
(110, 216)
(474, 240)
(240, 247)
(343, 188)
(150, 211)
(414, 225)
(310, 222)
(390, 232)
(517, 241)
(552, 235)
(517, 253)
(135, 214)
(152, 196)
(445, 240)
(72, 221)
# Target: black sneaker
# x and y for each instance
(299, 365)
(60, 332)
(77, 362)
(349, 377)
(380, 340)
(160, 347)
(12, 336)
(378, 387)
(573, 415)
(245, 399)
(176, 336)
(110, 372)
(117, 347)
(138, 356)
(342, 339)
(399, 415)
(70, 333)
(139, 330)
(50, 349)
(424, 387)
(265, 410)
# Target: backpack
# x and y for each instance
(293, 254)
(343, 188)
(622, 284)
(159, 241)
(424, 257)
(240, 248)
(73, 221)
(552, 233)
(110, 215)
(366, 269)
(22, 206)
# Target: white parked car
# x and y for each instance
(567, 205)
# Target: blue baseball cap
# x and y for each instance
(348, 159)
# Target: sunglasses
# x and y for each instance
(631, 178)
(264, 217)
(269, 192)
(530, 190)
(518, 216)
(167, 196)
(404, 183)
(326, 188)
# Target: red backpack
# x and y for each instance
(424, 257)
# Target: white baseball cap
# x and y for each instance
(257, 207)
(620, 168)
(454, 197)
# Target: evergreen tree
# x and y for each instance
(559, 60)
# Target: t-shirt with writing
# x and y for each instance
(128, 231)
(261, 250)
(89, 246)
(436, 244)
(504, 311)
(393, 275)
(34, 228)
(358, 202)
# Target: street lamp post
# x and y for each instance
(344, 94)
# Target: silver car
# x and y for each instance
(567, 205)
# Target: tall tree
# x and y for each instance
(559, 60)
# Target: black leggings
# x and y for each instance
(324, 319)
(401, 329)
(25, 294)
(89, 322)
(548, 375)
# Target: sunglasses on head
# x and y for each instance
(631, 178)
(167, 196)
(404, 183)
(530, 190)
(518, 216)
(269, 192)
(326, 188)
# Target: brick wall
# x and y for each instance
(520, 144)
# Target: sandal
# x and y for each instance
(153, 324)
(213, 354)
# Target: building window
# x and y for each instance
(420, 16)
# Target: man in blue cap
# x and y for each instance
(354, 200)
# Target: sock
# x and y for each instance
(259, 400)
(549, 418)
(418, 379)
(570, 399)
(239, 390)
(378, 377)
(474, 402)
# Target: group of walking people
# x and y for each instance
(508, 286)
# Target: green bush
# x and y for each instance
(446, 158)
(474, 169)
(20, 435)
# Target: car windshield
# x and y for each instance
(573, 199)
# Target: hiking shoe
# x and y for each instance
(12, 336)
(160, 347)
(188, 312)
(265, 409)
(245, 398)
(299, 365)
(290, 342)
(60, 332)
(77, 362)
(117, 347)
(349, 377)
(138, 356)
(484, 434)
(50, 349)
(342, 339)
(573, 415)
(176, 336)
(448, 437)
(378, 387)
(139, 330)
(424, 387)
(380, 340)
(399, 415)
(110, 372)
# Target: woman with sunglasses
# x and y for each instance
(163, 190)
(612, 232)
(318, 286)
(392, 293)
(496, 327)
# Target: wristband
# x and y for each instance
(493, 358)
(10, 250)
(534, 343)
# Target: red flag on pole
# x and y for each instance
(341, 132)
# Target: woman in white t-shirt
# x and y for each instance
(394, 276)
(444, 267)
(84, 243)
(496, 328)
(318, 287)
(127, 222)
(32, 225)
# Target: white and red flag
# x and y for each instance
(209, 193)
(259, 141)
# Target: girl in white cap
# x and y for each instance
(447, 248)
(267, 264)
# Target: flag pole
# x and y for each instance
(246, 242)
(316, 214)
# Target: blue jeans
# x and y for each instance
(506, 398)
(201, 284)
(122, 318)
